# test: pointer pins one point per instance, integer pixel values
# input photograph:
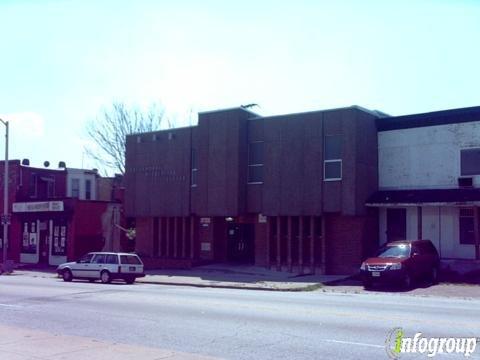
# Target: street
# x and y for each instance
(234, 324)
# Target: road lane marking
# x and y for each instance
(353, 343)
(11, 305)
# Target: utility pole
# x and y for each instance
(5, 217)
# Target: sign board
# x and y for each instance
(37, 206)
(262, 219)
(205, 246)
(205, 220)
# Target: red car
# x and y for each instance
(402, 262)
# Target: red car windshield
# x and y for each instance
(394, 251)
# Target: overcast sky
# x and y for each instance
(62, 61)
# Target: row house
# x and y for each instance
(56, 215)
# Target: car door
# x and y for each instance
(81, 267)
(98, 263)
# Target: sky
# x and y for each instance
(62, 62)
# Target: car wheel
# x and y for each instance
(105, 277)
(130, 280)
(67, 275)
(434, 276)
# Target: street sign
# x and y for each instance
(5, 219)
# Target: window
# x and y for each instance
(467, 226)
(51, 187)
(193, 179)
(470, 162)
(75, 188)
(255, 162)
(130, 260)
(85, 259)
(33, 185)
(112, 259)
(332, 166)
(88, 189)
(99, 259)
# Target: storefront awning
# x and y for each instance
(430, 197)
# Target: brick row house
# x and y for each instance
(287, 192)
(57, 214)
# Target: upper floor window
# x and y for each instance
(33, 185)
(75, 186)
(88, 189)
(193, 179)
(255, 162)
(470, 162)
(332, 165)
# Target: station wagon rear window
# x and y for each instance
(130, 259)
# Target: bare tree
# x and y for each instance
(109, 130)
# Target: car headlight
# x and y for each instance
(363, 266)
(396, 266)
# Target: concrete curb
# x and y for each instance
(217, 286)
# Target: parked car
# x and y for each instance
(103, 266)
(402, 262)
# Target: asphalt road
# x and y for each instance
(235, 324)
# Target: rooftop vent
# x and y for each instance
(46, 163)
(62, 165)
(26, 162)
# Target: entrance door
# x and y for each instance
(240, 238)
(43, 245)
(396, 224)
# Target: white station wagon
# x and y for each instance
(104, 266)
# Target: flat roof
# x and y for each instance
(434, 118)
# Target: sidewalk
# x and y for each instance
(26, 344)
(219, 276)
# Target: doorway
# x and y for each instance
(396, 224)
(240, 240)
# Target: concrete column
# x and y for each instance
(300, 243)
(312, 244)
(268, 242)
(175, 237)
(279, 238)
(167, 237)
(476, 234)
(192, 237)
(289, 244)
(184, 236)
(323, 248)
(160, 237)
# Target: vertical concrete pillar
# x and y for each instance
(279, 238)
(167, 237)
(289, 243)
(160, 236)
(300, 244)
(175, 236)
(476, 234)
(184, 236)
(192, 237)
(323, 242)
(268, 242)
(312, 244)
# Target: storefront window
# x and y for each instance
(29, 238)
(59, 244)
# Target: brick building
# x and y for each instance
(287, 192)
(52, 222)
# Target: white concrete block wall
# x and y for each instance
(439, 224)
(425, 157)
